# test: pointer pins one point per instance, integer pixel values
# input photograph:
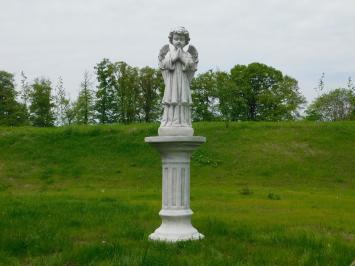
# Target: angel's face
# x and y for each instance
(179, 40)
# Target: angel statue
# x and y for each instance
(178, 66)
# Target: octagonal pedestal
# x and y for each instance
(176, 214)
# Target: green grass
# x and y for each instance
(262, 193)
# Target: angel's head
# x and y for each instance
(179, 37)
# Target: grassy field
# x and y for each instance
(262, 193)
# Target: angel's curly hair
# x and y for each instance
(180, 31)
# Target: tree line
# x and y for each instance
(126, 94)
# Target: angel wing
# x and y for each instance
(193, 52)
(163, 51)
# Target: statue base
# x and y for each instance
(176, 226)
(176, 214)
(176, 131)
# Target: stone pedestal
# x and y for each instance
(176, 214)
(175, 131)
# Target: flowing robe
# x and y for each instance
(177, 95)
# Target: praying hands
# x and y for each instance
(177, 55)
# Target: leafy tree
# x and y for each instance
(151, 86)
(63, 107)
(84, 106)
(118, 96)
(106, 96)
(70, 113)
(12, 113)
(321, 84)
(350, 85)
(127, 92)
(25, 89)
(42, 104)
(249, 92)
(338, 104)
(284, 102)
(231, 105)
(266, 93)
(204, 96)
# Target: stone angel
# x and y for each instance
(178, 66)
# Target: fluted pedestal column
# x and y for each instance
(176, 214)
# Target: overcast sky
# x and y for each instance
(52, 38)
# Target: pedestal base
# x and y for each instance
(176, 214)
(176, 226)
(176, 131)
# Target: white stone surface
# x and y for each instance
(176, 141)
(178, 67)
(175, 131)
(176, 214)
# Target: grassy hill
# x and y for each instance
(262, 193)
